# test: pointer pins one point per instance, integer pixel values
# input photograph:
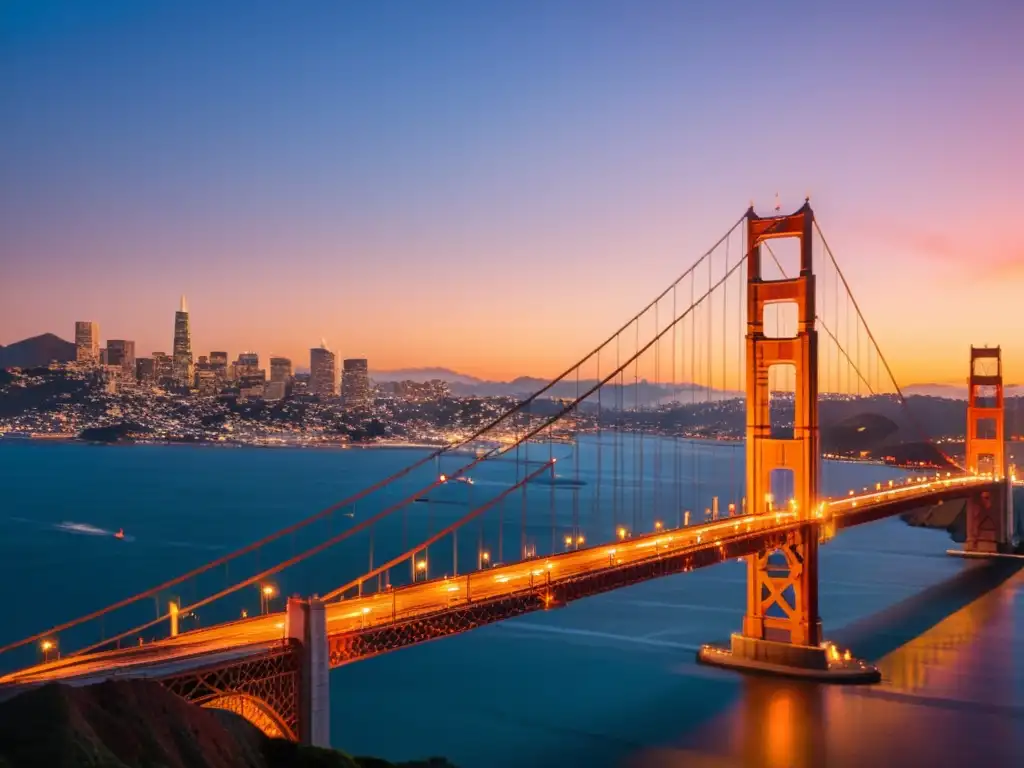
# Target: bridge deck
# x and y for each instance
(512, 589)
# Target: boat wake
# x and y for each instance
(84, 529)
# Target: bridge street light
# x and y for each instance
(267, 593)
(46, 647)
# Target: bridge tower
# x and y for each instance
(782, 586)
(990, 446)
(990, 518)
(781, 628)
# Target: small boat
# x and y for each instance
(459, 479)
(119, 534)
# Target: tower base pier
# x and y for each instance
(991, 523)
(822, 663)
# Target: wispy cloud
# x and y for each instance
(963, 251)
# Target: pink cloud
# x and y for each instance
(977, 257)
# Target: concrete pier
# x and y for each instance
(820, 663)
(306, 621)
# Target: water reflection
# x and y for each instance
(951, 695)
(939, 649)
(780, 726)
(776, 724)
(945, 660)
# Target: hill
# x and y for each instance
(462, 385)
(955, 391)
(421, 375)
(128, 723)
(37, 352)
(45, 392)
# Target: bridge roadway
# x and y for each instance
(253, 636)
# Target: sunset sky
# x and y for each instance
(493, 187)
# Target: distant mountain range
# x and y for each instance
(421, 375)
(37, 351)
(644, 392)
(955, 391)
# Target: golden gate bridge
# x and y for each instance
(588, 485)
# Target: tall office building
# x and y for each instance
(122, 353)
(87, 342)
(252, 386)
(281, 369)
(163, 367)
(205, 378)
(145, 370)
(274, 390)
(323, 371)
(206, 382)
(355, 383)
(247, 364)
(182, 353)
(219, 365)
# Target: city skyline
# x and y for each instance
(596, 164)
(303, 362)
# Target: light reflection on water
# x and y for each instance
(951, 696)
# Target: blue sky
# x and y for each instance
(297, 168)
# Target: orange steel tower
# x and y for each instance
(990, 514)
(991, 445)
(782, 587)
(781, 628)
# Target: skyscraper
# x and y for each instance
(122, 353)
(219, 365)
(163, 367)
(355, 383)
(87, 342)
(247, 364)
(145, 369)
(281, 369)
(181, 370)
(323, 371)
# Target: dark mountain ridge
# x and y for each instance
(37, 352)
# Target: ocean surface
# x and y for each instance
(607, 681)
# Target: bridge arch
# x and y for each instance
(253, 709)
(263, 687)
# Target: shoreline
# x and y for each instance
(68, 438)
(410, 446)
